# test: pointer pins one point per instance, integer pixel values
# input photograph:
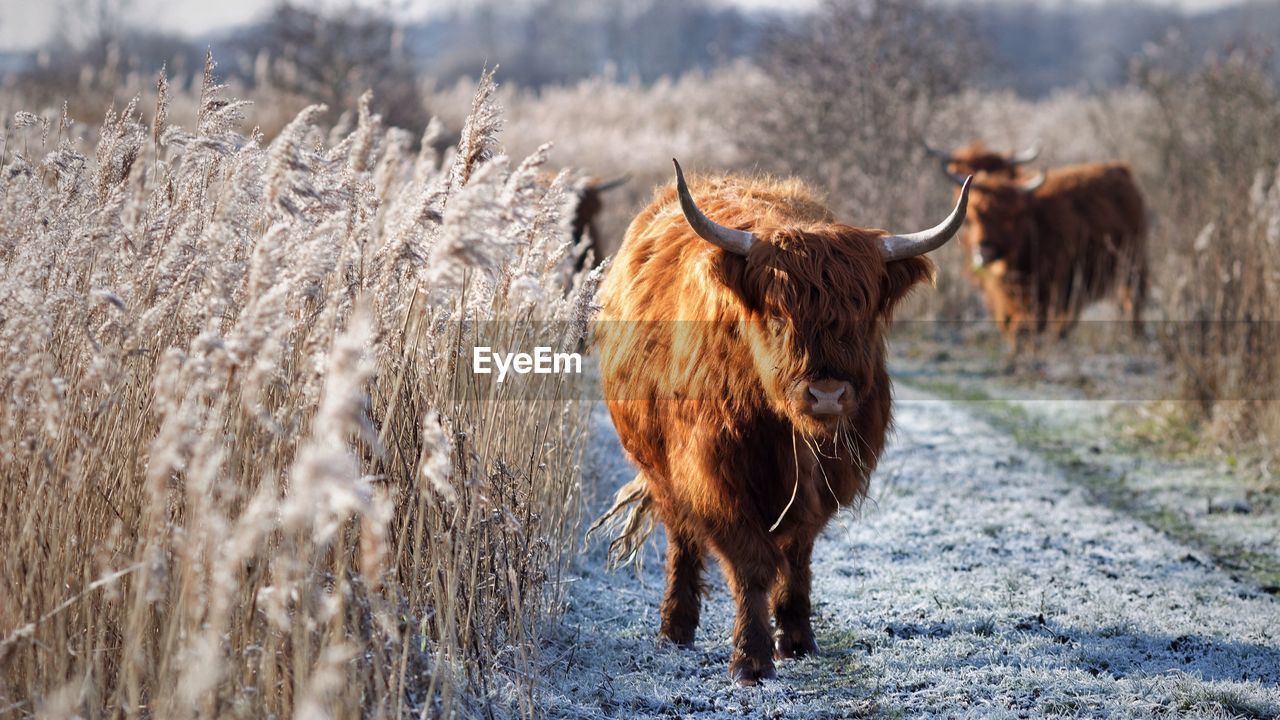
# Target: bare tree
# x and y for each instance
(92, 54)
(333, 57)
(852, 92)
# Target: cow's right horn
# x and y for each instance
(901, 247)
(1026, 156)
(728, 239)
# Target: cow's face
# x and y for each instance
(816, 299)
(977, 158)
(819, 301)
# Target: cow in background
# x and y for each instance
(976, 158)
(1044, 248)
(589, 206)
(587, 203)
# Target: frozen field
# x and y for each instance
(976, 582)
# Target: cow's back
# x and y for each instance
(1102, 195)
(1090, 229)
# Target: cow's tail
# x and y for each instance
(630, 528)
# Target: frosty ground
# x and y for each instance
(976, 581)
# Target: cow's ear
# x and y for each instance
(900, 277)
(748, 279)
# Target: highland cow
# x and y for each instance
(1043, 249)
(977, 158)
(742, 351)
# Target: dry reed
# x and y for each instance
(243, 469)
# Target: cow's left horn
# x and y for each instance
(901, 247)
(1034, 183)
(728, 239)
(1026, 156)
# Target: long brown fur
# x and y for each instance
(699, 349)
(1048, 254)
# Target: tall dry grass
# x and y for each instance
(611, 129)
(243, 469)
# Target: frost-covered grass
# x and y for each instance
(978, 582)
(241, 473)
(1107, 420)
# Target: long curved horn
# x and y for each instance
(738, 242)
(1026, 156)
(901, 247)
(1034, 183)
(611, 184)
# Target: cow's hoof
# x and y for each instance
(794, 645)
(748, 675)
(667, 640)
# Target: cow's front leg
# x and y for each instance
(750, 576)
(683, 601)
(791, 606)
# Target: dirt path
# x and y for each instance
(977, 582)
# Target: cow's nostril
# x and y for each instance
(825, 398)
(819, 394)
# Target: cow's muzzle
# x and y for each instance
(986, 254)
(824, 399)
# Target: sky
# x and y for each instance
(26, 23)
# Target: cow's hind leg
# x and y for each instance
(683, 602)
(791, 607)
(751, 572)
(1133, 298)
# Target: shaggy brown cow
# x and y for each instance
(1044, 249)
(977, 158)
(743, 361)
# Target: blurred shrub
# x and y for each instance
(850, 94)
(1211, 133)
